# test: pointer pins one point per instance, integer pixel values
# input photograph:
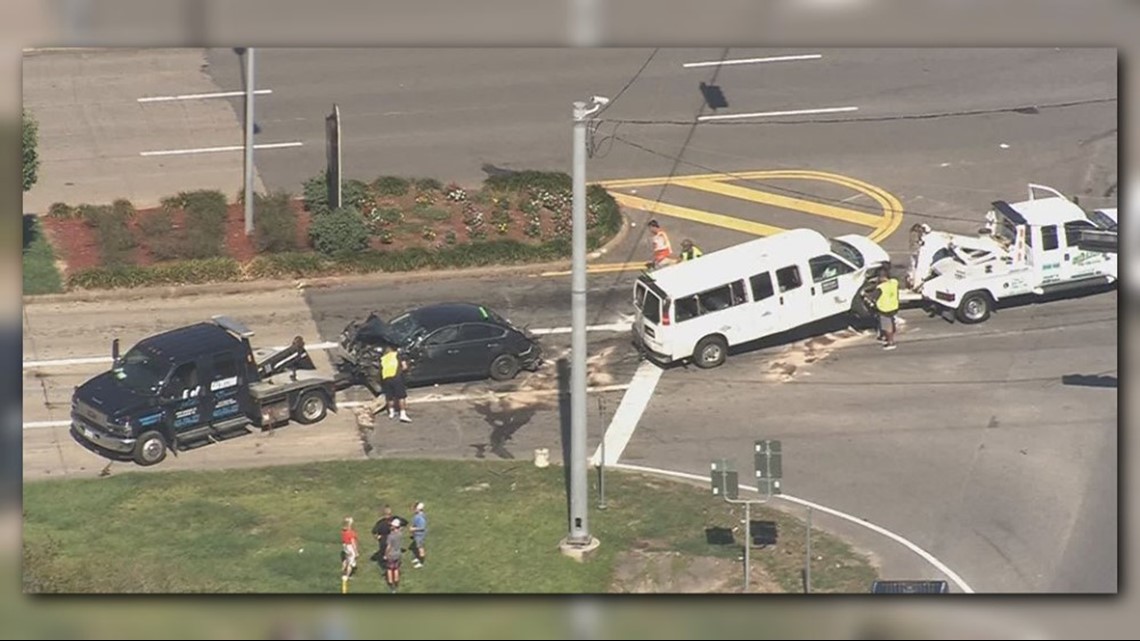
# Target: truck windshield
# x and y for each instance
(140, 372)
(404, 328)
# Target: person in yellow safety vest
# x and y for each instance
(887, 304)
(392, 382)
(689, 251)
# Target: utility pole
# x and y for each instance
(249, 140)
(579, 534)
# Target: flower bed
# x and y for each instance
(391, 224)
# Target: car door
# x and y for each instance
(1050, 254)
(437, 353)
(764, 311)
(794, 297)
(476, 347)
(188, 405)
(225, 396)
(1079, 263)
(829, 293)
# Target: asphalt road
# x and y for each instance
(966, 440)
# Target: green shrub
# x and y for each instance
(356, 194)
(391, 186)
(426, 185)
(316, 194)
(62, 211)
(288, 265)
(206, 211)
(518, 181)
(164, 241)
(114, 236)
(275, 223)
(124, 208)
(189, 272)
(339, 233)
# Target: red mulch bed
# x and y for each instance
(77, 244)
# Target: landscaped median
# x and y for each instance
(392, 224)
(492, 527)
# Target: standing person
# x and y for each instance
(419, 532)
(392, 369)
(393, 553)
(662, 248)
(381, 530)
(349, 551)
(887, 304)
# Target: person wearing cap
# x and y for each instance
(689, 251)
(393, 552)
(662, 248)
(419, 531)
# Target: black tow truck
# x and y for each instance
(195, 385)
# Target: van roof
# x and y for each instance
(740, 261)
(1041, 211)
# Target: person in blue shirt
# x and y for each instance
(419, 531)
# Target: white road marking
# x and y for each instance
(797, 112)
(208, 150)
(926, 556)
(748, 61)
(93, 360)
(413, 400)
(625, 419)
(197, 96)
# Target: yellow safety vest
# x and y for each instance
(389, 364)
(889, 298)
(692, 253)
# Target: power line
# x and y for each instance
(1025, 109)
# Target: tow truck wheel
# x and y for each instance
(504, 367)
(710, 352)
(311, 408)
(150, 449)
(975, 307)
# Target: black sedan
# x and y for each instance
(445, 342)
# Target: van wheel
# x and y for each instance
(975, 308)
(311, 408)
(150, 449)
(710, 352)
(504, 367)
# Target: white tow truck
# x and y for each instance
(1026, 248)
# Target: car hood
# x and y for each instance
(372, 331)
(873, 253)
(109, 397)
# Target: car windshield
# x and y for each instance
(141, 372)
(1102, 220)
(847, 252)
(404, 328)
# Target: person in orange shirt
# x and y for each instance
(662, 248)
(349, 552)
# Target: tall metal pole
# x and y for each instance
(249, 140)
(747, 546)
(807, 562)
(579, 530)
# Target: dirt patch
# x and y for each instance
(648, 569)
(798, 355)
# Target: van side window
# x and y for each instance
(686, 308)
(826, 266)
(1049, 238)
(651, 307)
(788, 278)
(761, 286)
(721, 297)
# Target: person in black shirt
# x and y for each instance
(381, 531)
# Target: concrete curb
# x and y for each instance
(267, 285)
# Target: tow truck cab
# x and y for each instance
(188, 385)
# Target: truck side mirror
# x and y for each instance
(115, 350)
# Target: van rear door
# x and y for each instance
(650, 305)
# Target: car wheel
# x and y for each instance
(150, 449)
(311, 408)
(504, 367)
(710, 352)
(975, 307)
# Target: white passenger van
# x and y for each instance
(698, 309)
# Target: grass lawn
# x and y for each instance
(493, 527)
(40, 273)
